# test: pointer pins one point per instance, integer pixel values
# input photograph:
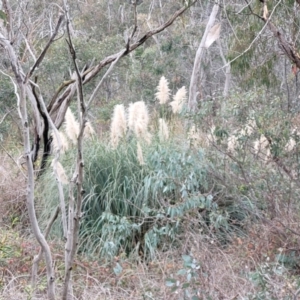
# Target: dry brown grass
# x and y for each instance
(12, 190)
(224, 272)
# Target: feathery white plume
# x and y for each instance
(179, 100)
(147, 137)
(163, 132)
(250, 126)
(262, 146)
(60, 172)
(63, 141)
(197, 138)
(118, 126)
(138, 120)
(89, 131)
(290, 145)
(72, 126)
(163, 91)
(232, 143)
(140, 156)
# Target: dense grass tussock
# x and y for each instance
(145, 191)
(131, 206)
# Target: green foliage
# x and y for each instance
(260, 174)
(105, 110)
(124, 205)
(7, 96)
(187, 279)
(3, 16)
(129, 207)
(253, 60)
(8, 101)
(262, 277)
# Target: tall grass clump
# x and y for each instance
(143, 194)
(131, 206)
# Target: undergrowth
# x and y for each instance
(217, 207)
(131, 207)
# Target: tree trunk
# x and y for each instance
(194, 84)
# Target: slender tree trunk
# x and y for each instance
(22, 109)
(227, 70)
(195, 80)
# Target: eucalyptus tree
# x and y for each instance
(264, 45)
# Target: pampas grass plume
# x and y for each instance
(72, 126)
(197, 138)
(118, 126)
(60, 172)
(63, 141)
(262, 145)
(138, 120)
(89, 131)
(232, 143)
(250, 127)
(163, 91)
(140, 156)
(179, 99)
(163, 130)
(290, 145)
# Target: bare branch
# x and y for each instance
(74, 214)
(257, 36)
(39, 256)
(22, 86)
(121, 53)
(16, 163)
(42, 55)
(58, 106)
(134, 28)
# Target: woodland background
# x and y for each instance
(208, 207)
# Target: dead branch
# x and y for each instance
(59, 104)
(42, 55)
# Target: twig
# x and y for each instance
(18, 165)
(4, 117)
(296, 294)
(256, 38)
(134, 28)
(42, 55)
(121, 53)
(15, 91)
(89, 74)
(289, 229)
